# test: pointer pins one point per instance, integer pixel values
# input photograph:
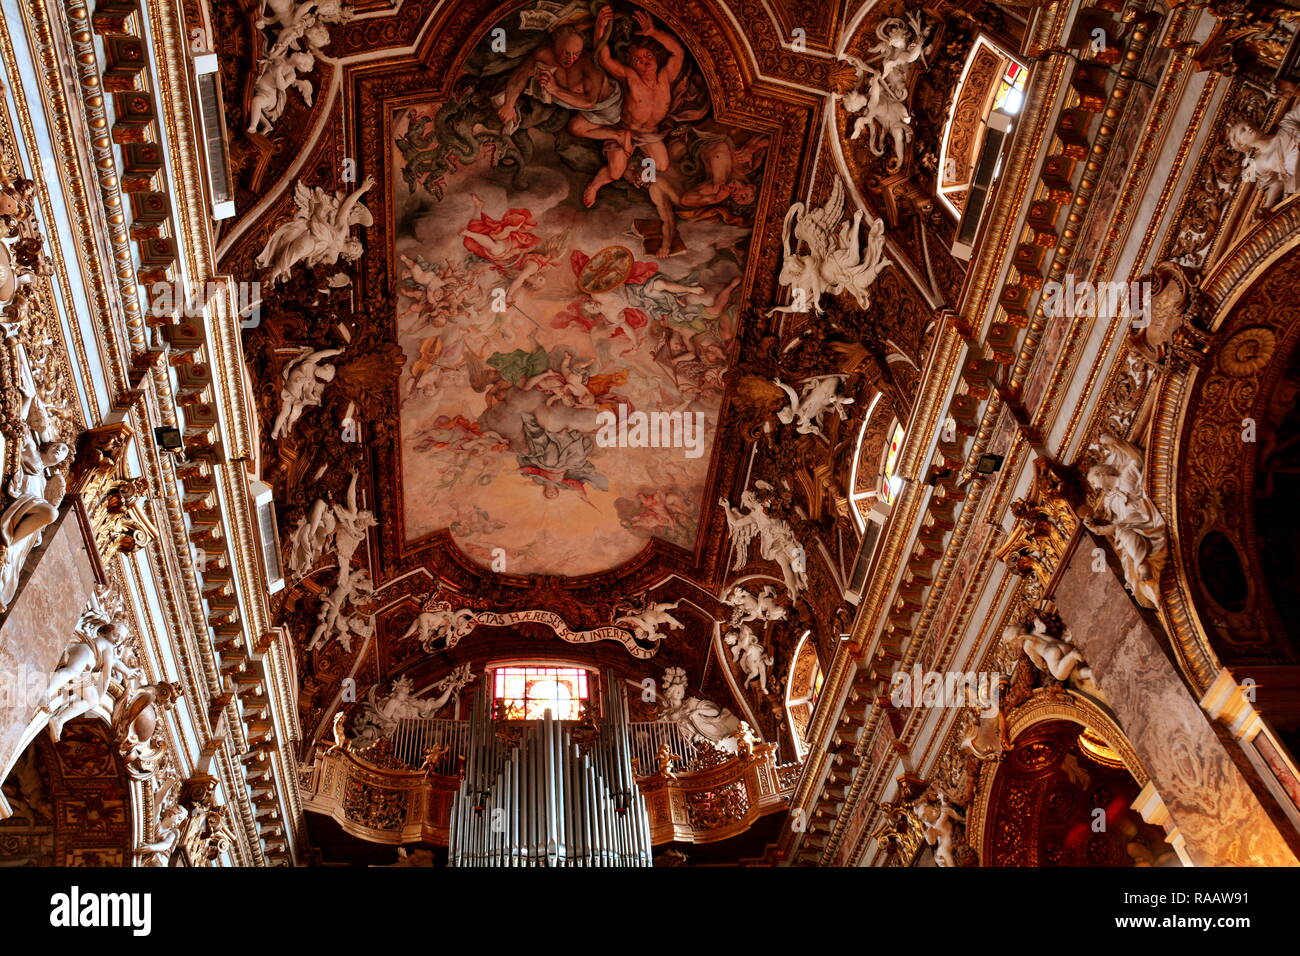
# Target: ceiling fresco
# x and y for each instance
(561, 269)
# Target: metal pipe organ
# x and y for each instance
(542, 802)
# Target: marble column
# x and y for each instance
(56, 584)
(1209, 801)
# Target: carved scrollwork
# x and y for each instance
(116, 502)
(1046, 522)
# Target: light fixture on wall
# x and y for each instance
(168, 438)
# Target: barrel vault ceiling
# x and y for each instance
(497, 305)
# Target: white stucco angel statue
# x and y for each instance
(1270, 161)
(748, 652)
(697, 719)
(308, 19)
(937, 817)
(96, 658)
(1128, 517)
(351, 523)
(320, 231)
(835, 262)
(35, 489)
(1057, 656)
(305, 378)
(805, 410)
(338, 617)
(747, 607)
(652, 615)
(311, 538)
(880, 95)
(379, 717)
(440, 622)
(277, 74)
(776, 541)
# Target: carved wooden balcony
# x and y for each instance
(714, 803)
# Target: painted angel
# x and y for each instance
(558, 460)
(512, 247)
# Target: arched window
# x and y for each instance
(989, 97)
(527, 691)
(890, 481)
(803, 690)
(873, 479)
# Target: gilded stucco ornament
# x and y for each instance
(1247, 352)
(1046, 523)
(117, 503)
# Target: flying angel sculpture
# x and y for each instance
(805, 410)
(305, 378)
(319, 232)
(776, 541)
(835, 262)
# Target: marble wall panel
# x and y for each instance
(38, 627)
(1209, 800)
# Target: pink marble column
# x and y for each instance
(1208, 798)
(57, 583)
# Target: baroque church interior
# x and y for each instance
(732, 433)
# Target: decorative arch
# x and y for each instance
(1203, 458)
(1036, 805)
(71, 801)
(803, 690)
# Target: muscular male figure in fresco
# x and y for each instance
(647, 96)
(567, 74)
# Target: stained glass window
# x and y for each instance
(526, 693)
(994, 83)
(1011, 90)
(892, 482)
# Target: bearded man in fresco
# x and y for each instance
(562, 72)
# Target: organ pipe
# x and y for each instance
(557, 806)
